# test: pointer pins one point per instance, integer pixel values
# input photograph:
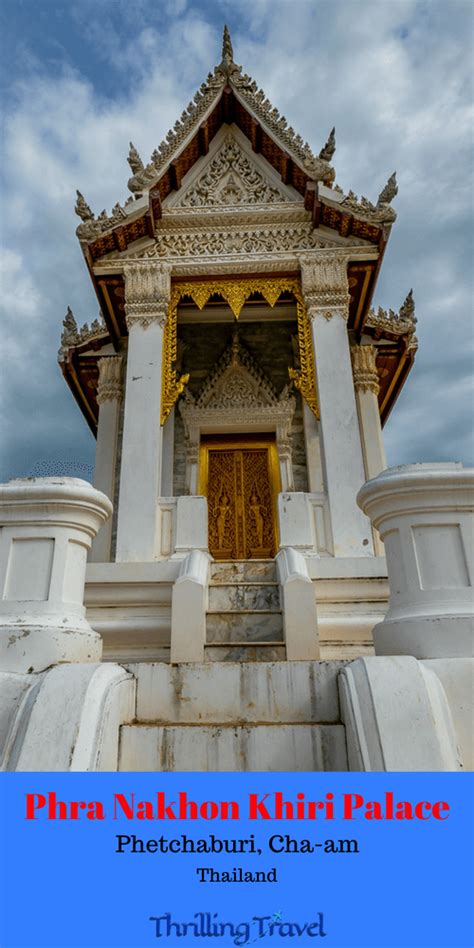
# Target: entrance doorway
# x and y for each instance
(240, 479)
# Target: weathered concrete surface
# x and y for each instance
(283, 692)
(269, 748)
(67, 719)
(397, 717)
(457, 678)
(15, 691)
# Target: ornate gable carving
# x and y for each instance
(230, 178)
(236, 381)
(237, 391)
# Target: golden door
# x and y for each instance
(241, 481)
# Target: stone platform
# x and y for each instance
(235, 717)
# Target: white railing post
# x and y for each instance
(300, 621)
(188, 608)
(425, 516)
(48, 525)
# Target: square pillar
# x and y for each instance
(147, 293)
(366, 385)
(325, 290)
(109, 396)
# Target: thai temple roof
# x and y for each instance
(230, 125)
(229, 95)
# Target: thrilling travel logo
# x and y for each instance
(245, 932)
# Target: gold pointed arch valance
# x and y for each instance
(236, 293)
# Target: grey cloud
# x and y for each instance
(392, 77)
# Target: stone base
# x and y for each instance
(395, 713)
(429, 637)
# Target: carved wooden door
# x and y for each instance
(240, 483)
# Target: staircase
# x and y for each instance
(244, 620)
(250, 716)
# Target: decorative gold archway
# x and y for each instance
(236, 293)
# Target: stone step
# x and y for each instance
(270, 748)
(243, 627)
(243, 652)
(237, 597)
(243, 571)
(289, 692)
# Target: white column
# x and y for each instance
(47, 526)
(109, 395)
(325, 289)
(366, 384)
(147, 290)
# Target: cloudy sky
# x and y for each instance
(80, 78)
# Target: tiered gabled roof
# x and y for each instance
(230, 96)
(233, 181)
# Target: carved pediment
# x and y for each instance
(231, 178)
(237, 380)
(237, 390)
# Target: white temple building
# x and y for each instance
(246, 603)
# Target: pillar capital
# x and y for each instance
(364, 369)
(147, 292)
(109, 386)
(324, 284)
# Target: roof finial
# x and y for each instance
(407, 309)
(387, 195)
(134, 160)
(82, 208)
(70, 333)
(227, 51)
(327, 152)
